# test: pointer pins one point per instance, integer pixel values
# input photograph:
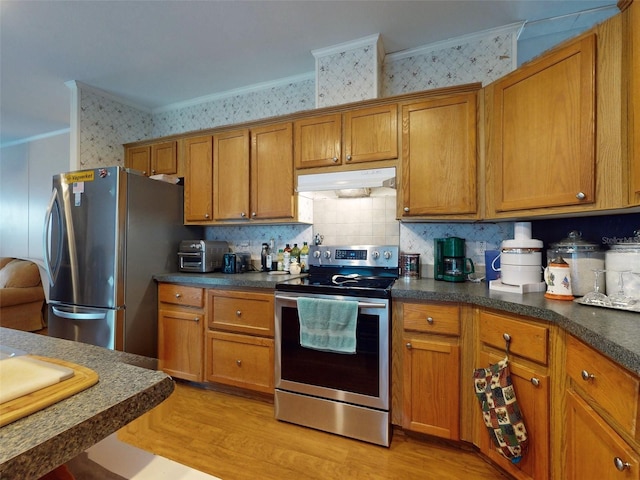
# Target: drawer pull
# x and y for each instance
(430, 320)
(586, 376)
(535, 381)
(178, 295)
(621, 465)
(239, 362)
(507, 340)
(238, 313)
(409, 346)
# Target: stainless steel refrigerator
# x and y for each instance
(107, 232)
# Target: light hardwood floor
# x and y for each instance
(236, 438)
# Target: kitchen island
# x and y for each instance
(128, 386)
(613, 332)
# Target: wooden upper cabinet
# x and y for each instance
(164, 158)
(139, 158)
(371, 134)
(231, 175)
(272, 179)
(439, 158)
(541, 132)
(633, 69)
(360, 135)
(317, 141)
(198, 188)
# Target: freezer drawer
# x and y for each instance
(96, 326)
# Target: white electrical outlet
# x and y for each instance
(482, 247)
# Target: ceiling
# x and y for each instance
(160, 52)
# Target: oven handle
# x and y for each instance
(360, 304)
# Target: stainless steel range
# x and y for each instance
(346, 393)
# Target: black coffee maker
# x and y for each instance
(450, 263)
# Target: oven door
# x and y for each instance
(360, 379)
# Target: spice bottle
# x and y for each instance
(304, 257)
(295, 253)
(286, 257)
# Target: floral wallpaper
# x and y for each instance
(104, 125)
(482, 60)
(344, 76)
(270, 102)
(347, 76)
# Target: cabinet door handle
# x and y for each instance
(580, 196)
(238, 313)
(153, 172)
(430, 320)
(406, 209)
(196, 319)
(535, 381)
(348, 158)
(335, 159)
(239, 362)
(253, 214)
(206, 215)
(409, 346)
(243, 214)
(586, 376)
(621, 465)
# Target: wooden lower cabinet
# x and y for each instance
(240, 360)
(181, 319)
(431, 368)
(239, 347)
(602, 405)
(593, 448)
(532, 389)
(529, 361)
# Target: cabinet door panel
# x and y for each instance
(371, 134)
(272, 193)
(634, 100)
(431, 382)
(317, 141)
(231, 175)
(592, 445)
(139, 158)
(180, 351)
(532, 393)
(164, 158)
(542, 131)
(198, 194)
(439, 156)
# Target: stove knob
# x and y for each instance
(327, 254)
(387, 255)
(316, 254)
(375, 255)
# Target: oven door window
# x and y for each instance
(357, 373)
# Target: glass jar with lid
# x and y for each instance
(623, 260)
(583, 257)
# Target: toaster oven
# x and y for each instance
(201, 256)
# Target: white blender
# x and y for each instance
(520, 263)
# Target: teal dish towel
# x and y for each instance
(328, 325)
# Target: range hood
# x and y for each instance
(371, 178)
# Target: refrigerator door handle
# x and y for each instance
(60, 312)
(52, 270)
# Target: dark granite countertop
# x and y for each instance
(36, 444)
(613, 332)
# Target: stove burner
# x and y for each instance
(351, 278)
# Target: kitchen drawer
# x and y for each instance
(181, 295)
(613, 389)
(528, 340)
(240, 360)
(431, 318)
(242, 312)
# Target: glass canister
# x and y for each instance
(410, 265)
(623, 266)
(583, 257)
